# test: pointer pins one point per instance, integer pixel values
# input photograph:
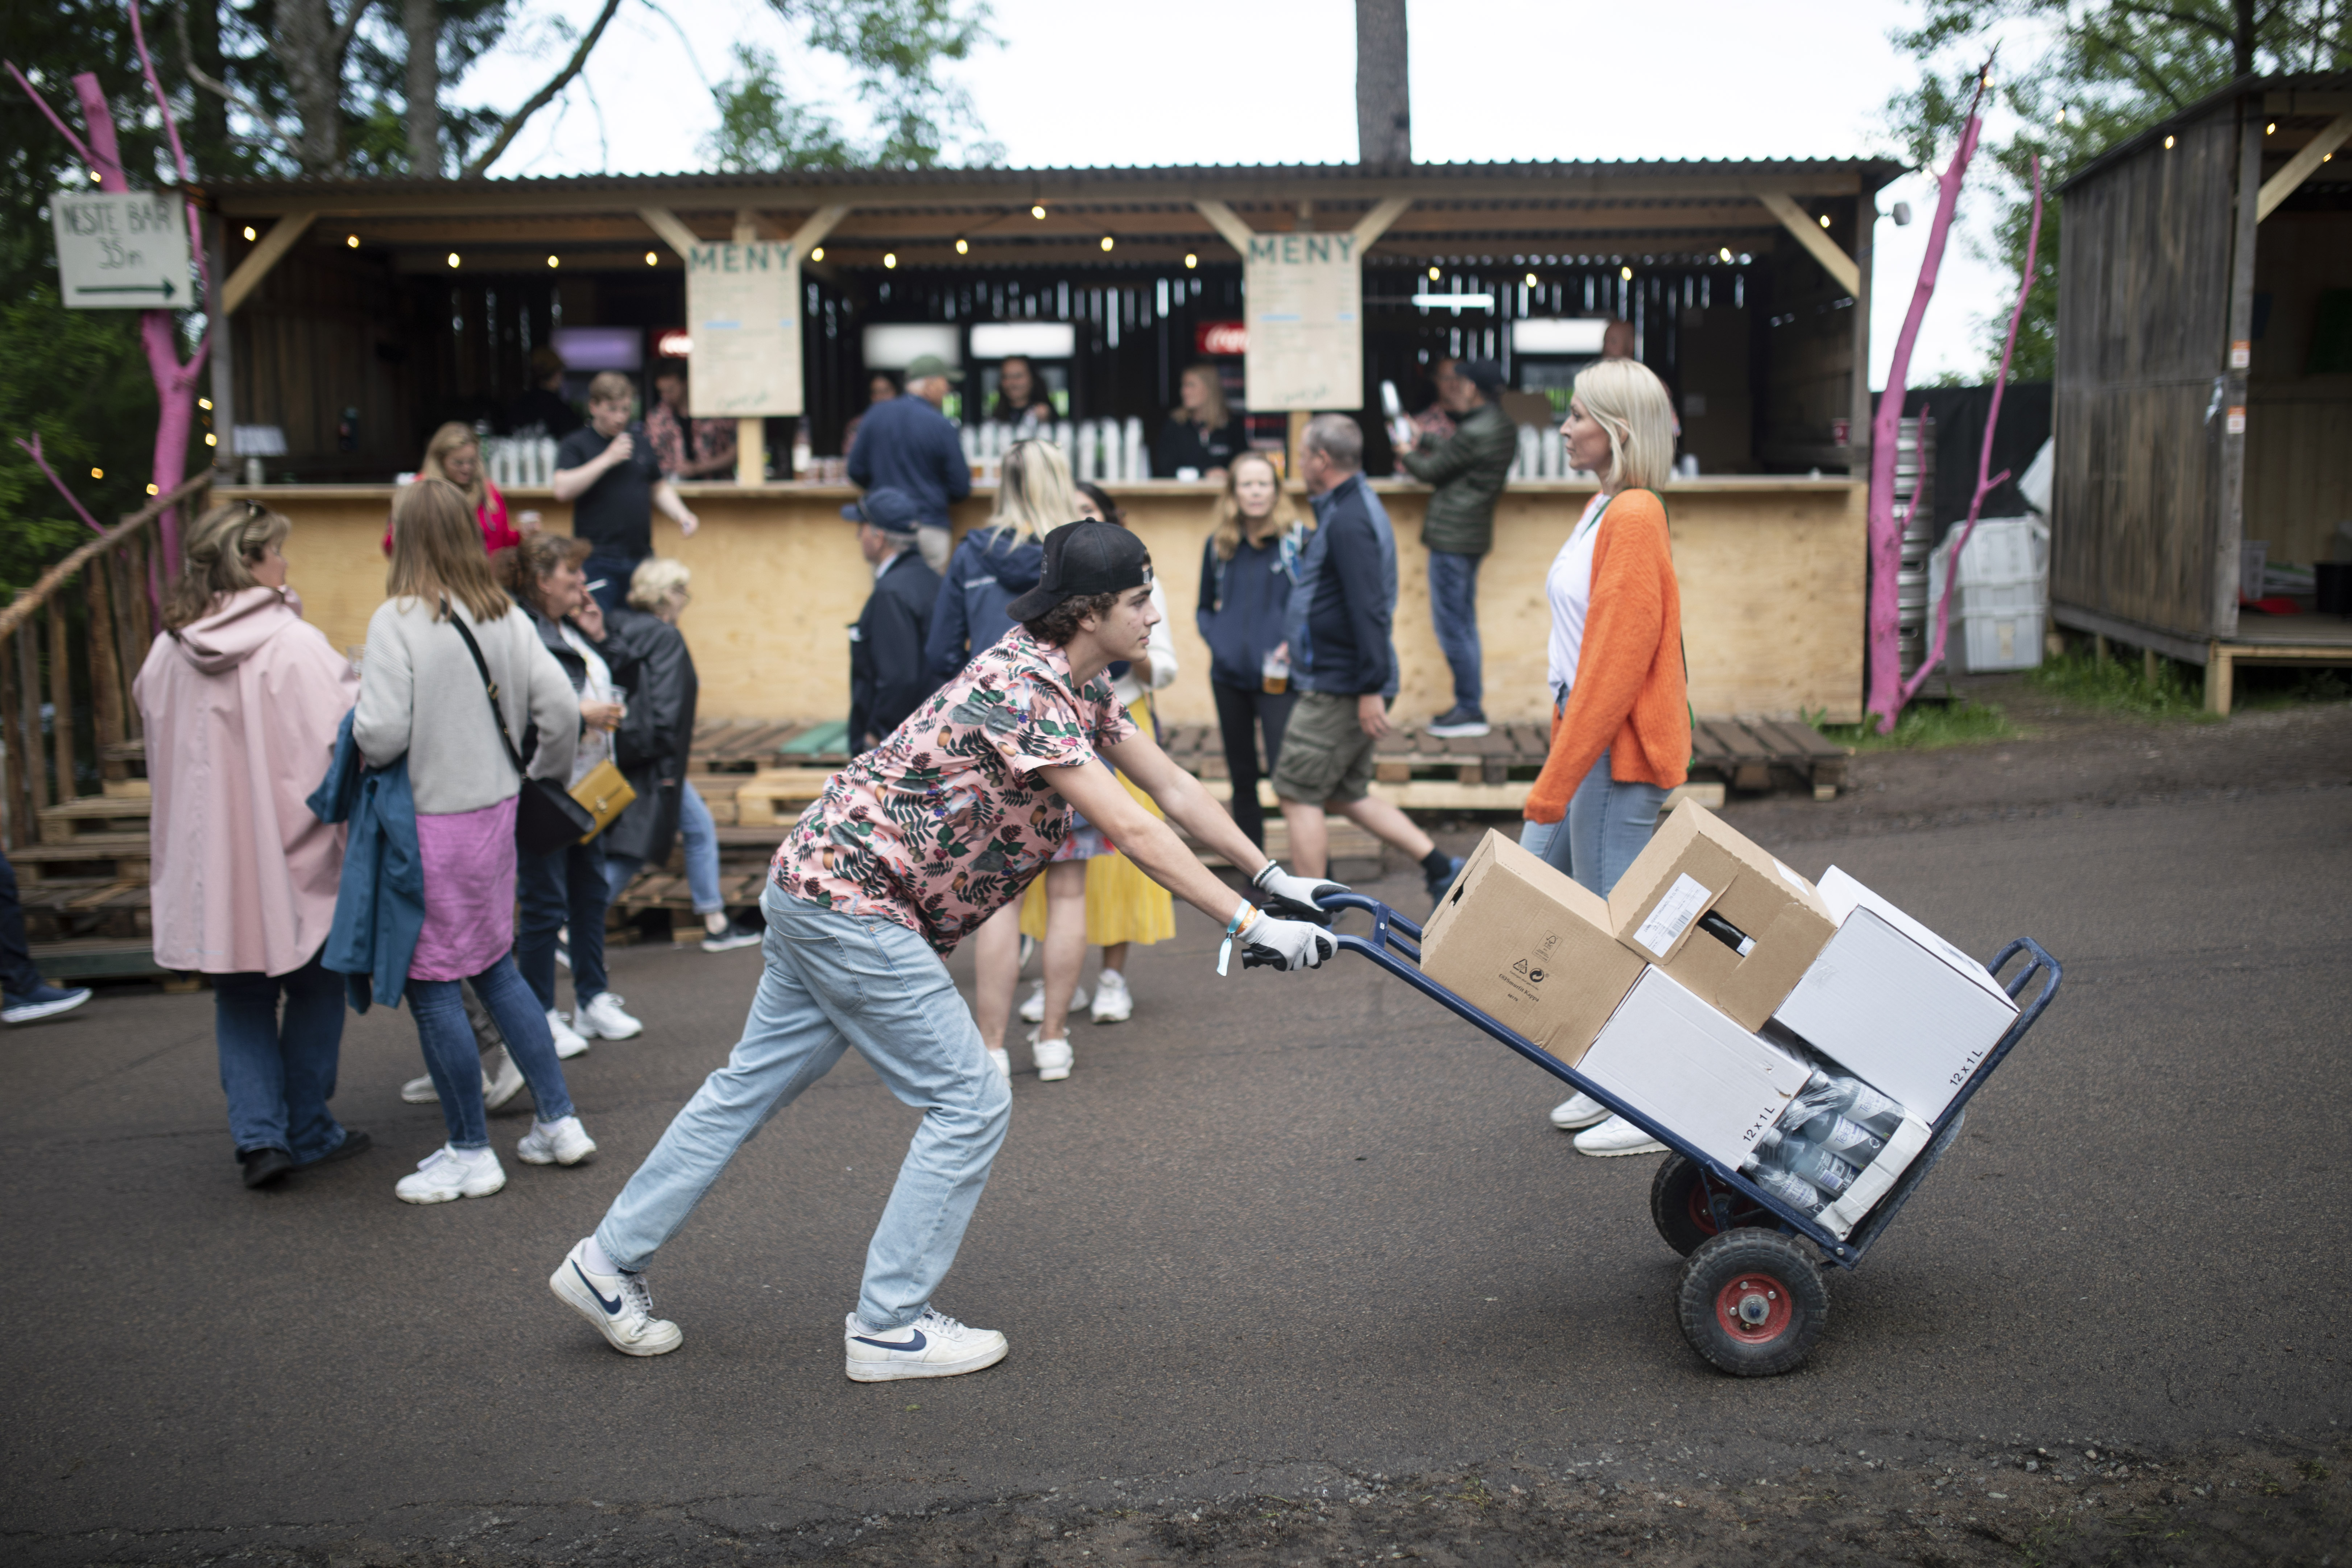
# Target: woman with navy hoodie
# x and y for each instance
(1246, 574)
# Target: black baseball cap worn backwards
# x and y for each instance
(1083, 558)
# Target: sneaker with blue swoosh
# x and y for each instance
(933, 1345)
(618, 1304)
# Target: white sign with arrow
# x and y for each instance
(121, 250)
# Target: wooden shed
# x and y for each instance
(2204, 384)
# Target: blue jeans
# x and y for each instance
(1454, 611)
(562, 886)
(831, 982)
(453, 1058)
(700, 837)
(279, 1073)
(1606, 825)
(612, 572)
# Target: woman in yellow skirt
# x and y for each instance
(1122, 904)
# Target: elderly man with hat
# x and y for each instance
(908, 851)
(908, 445)
(1468, 468)
(887, 673)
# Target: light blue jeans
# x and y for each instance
(1606, 825)
(833, 982)
(700, 837)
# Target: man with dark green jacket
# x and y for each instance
(1468, 470)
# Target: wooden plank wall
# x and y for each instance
(324, 332)
(2298, 427)
(2143, 312)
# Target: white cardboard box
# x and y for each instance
(1691, 1071)
(1895, 1004)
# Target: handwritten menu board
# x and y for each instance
(742, 311)
(1306, 310)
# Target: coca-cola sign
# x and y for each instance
(1221, 339)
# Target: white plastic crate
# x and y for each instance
(2005, 550)
(1997, 598)
(2003, 639)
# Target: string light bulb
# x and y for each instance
(1725, 253)
(1106, 242)
(210, 439)
(453, 258)
(1191, 260)
(152, 491)
(555, 261)
(1037, 212)
(963, 247)
(1825, 220)
(248, 231)
(1531, 280)
(651, 259)
(890, 258)
(1433, 274)
(2168, 143)
(817, 254)
(351, 241)
(96, 178)
(1626, 273)
(2271, 128)
(2062, 117)
(98, 473)
(205, 404)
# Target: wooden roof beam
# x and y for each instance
(1809, 234)
(2299, 168)
(266, 254)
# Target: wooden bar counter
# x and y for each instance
(1771, 569)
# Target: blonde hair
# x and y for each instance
(1214, 414)
(611, 386)
(655, 579)
(1226, 536)
(220, 550)
(446, 440)
(1626, 399)
(436, 552)
(1033, 494)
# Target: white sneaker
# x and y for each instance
(600, 1015)
(569, 1042)
(1033, 1011)
(930, 1346)
(1053, 1059)
(564, 1142)
(618, 1304)
(501, 1081)
(1001, 1060)
(446, 1174)
(1578, 1111)
(1113, 1005)
(1617, 1136)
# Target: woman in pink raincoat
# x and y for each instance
(242, 699)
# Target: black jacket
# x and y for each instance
(889, 677)
(656, 740)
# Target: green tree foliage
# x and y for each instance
(2079, 76)
(896, 50)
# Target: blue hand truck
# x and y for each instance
(1752, 1300)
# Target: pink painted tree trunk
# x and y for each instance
(1885, 675)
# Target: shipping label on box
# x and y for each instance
(1691, 1071)
(1720, 915)
(1524, 945)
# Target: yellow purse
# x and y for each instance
(603, 794)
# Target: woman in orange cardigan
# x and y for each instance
(1620, 729)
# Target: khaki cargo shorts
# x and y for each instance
(1326, 755)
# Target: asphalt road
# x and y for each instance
(1276, 1228)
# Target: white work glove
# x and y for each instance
(1268, 943)
(1293, 897)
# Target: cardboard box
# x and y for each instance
(1694, 866)
(1523, 943)
(1895, 1004)
(1691, 1071)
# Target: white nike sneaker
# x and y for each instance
(501, 1081)
(1113, 1004)
(1054, 1059)
(446, 1174)
(1617, 1136)
(618, 1304)
(569, 1042)
(1578, 1111)
(564, 1142)
(1001, 1060)
(600, 1015)
(1033, 1011)
(930, 1346)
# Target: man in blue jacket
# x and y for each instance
(1342, 661)
(888, 675)
(908, 445)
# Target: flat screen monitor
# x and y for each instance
(600, 348)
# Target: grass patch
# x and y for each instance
(1928, 726)
(2121, 686)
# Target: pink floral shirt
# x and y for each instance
(947, 821)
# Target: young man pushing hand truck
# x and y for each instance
(910, 849)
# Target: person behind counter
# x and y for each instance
(1203, 434)
(1248, 568)
(454, 453)
(543, 410)
(687, 447)
(1622, 738)
(1020, 401)
(881, 388)
(1468, 470)
(906, 444)
(610, 475)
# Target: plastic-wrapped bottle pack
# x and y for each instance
(1831, 1133)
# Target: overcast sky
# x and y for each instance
(1247, 81)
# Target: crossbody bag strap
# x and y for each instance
(490, 687)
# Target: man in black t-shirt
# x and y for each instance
(610, 475)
